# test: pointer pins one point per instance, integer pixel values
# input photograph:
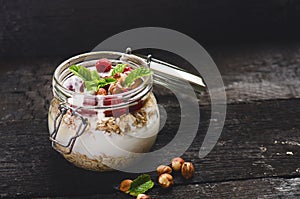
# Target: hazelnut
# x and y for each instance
(143, 196)
(125, 185)
(177, 163)
(101, 91)
(187, 170)
(117, 75)
(165, 180)
(112, 88)
(163, 169)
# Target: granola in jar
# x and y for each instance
(103, 115)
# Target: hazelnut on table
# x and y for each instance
(163, 169)
(187, 170)
(143, 196)
(125, 185)
(165, 180)
(176, 163)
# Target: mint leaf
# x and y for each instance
(91, 85)
(110, 80)
(95, 75)
(74, 69)
(119, 68)
(85, 74)
(82, 72)
(140, 185)
(105, 81)
(100, 83)
(137, 73)
(92, 79)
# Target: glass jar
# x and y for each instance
(98, 132)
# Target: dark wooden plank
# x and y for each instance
(44, 28)
(259, 71)
(257, 188)
(250, 73)
(254, 188)
(260, 139)
(255, 143)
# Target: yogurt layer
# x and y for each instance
(107, 147)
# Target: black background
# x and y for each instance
(62, 28)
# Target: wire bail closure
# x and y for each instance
(66, 148)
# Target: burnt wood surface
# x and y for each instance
(68, 27)
(257, 155)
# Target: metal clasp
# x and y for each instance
(67, 148)
(149, 59)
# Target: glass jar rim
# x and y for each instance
(62, 73)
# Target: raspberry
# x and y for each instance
(71, 87)
(119, 112)
(127, 69)
(115, 112)
(111, 101)
(103, 65)
(137, 106)
(90, 101)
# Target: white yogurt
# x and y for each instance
(105, 147)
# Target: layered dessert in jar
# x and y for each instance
(103, 115)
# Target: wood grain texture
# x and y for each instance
(255, 143)
(260, 71)
(257, 154)
(254, 188)
(250, 73)
(65, 27)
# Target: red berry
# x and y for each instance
(127, 69)
(111, 101)
(118, 112)
(90, 101)
(115, 112)
(86, 112)
(103, 65)
(137, 106)
(83, 111)
(71, 87)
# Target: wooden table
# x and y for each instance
(257, 155)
